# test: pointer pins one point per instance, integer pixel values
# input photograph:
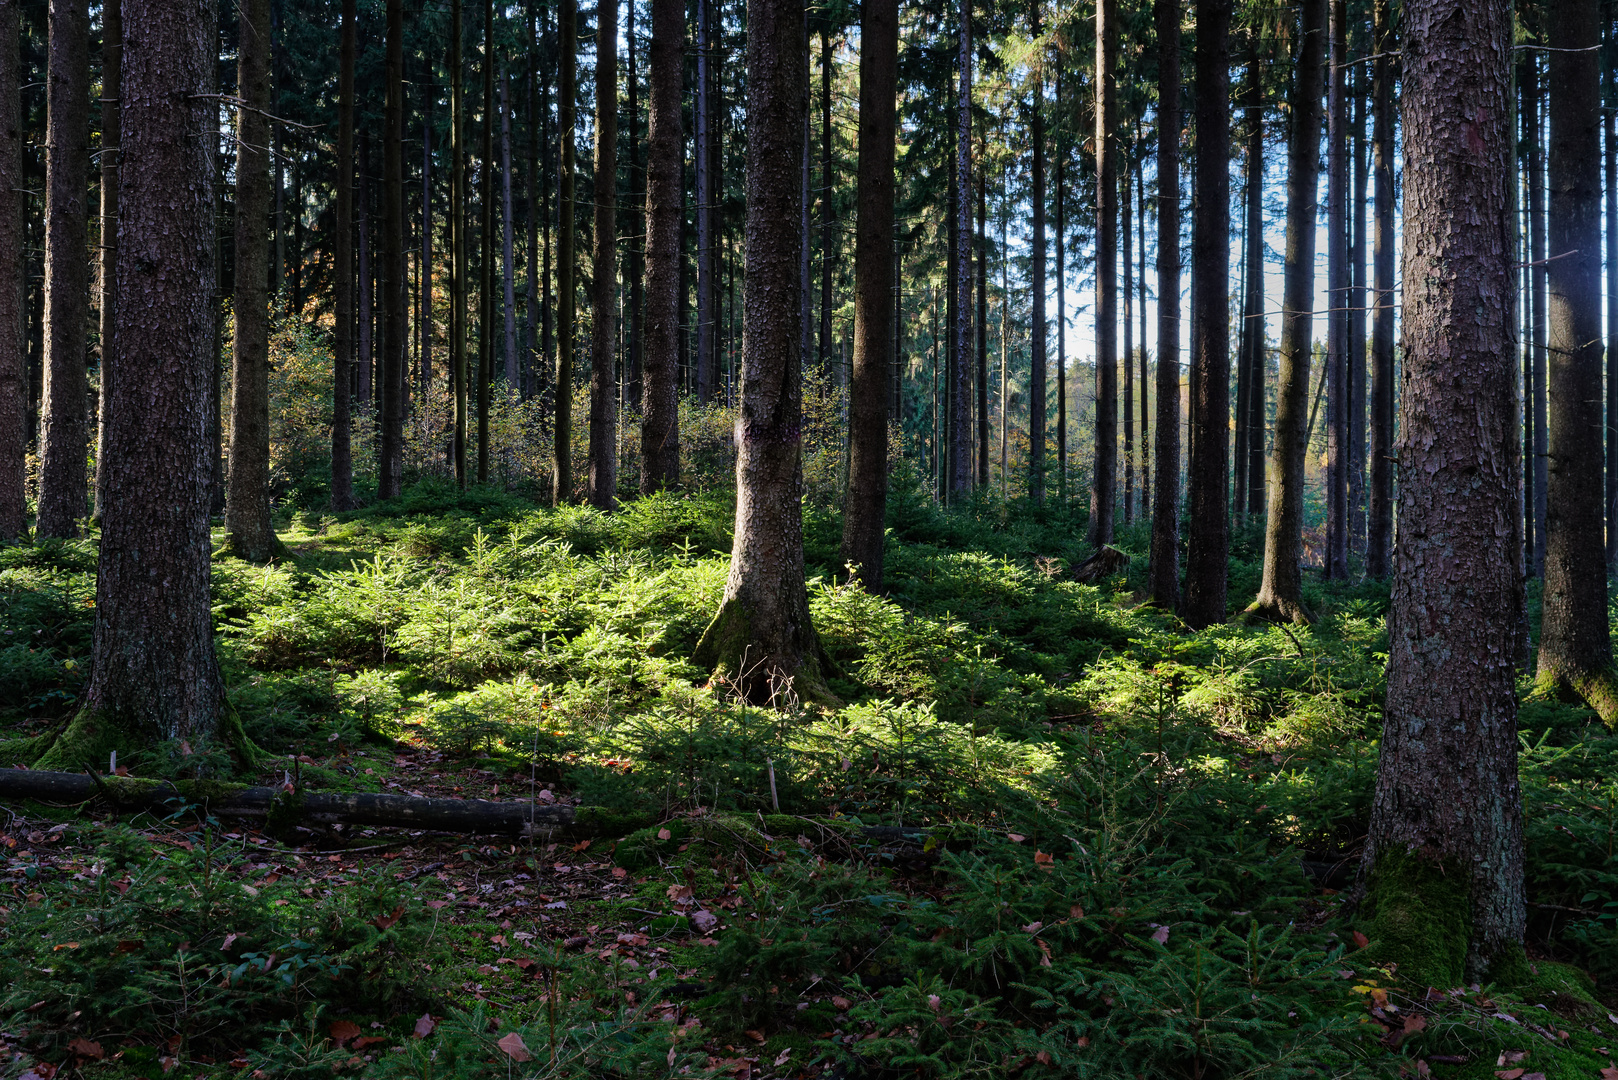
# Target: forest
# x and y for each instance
(808, 542)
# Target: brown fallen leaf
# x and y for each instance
(1610, 1073)
(755, 1035)
(1360, 940)
(425, 1025)
(841, 1004)
(369, 1041)
(84, 1048)
(1510, 1057)
(515, 1049)
(1509, 1074)
(664, 834)
(382, 922)
(343, 1030)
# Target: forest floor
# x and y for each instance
(1132, 853)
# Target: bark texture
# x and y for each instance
(1337, 298)
(1104, 471)
(154, 675)
(1164, 577)
(249, 533)
(64, 402)
(567, 31)
(604, 276)
(761, 640)
(1575, 650)
(865, 511)
(1254, 321)
(960, 434)
(1280, 593)
(1379, 524)
(391, 373)
(1444, 854)
(342, 457)
(1208, 480)
(13, 342)
(112, 49)
(660, 420)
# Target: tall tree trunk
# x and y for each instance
(342, 455)
(367, 317)
(762, 640)
(1356, 330)
(64, 413)
(391, 370)
(660, 422)
(1255, 322)
(507, 264)
(1145, 364)
(112, 47)
(1539, 327)
(960, 436)
(1280, 594)
(424, 348)
(1610, 137)
(486, 228)
(13, 340)
(1337, 298)
(457, 237)
(704, 367)
(1061, 307)
(1127, 257)
(1104, 473)
(604, 276)
(1379, 527)
(635, 253)
(1445, 849)
(1575, 650)
(153, 672)
(1165, 564)
(982, 332)
(566, 125)
(866, 508)
(828, 180)
(249, 532)
(1208, 546)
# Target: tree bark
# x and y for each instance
(567, 30)
(14, 388)
(457, 238)
(1145, 363)
(1254, 322)
(1356, 330)
(1379, 526)
(112, 47)
(508, 265)
(828, 181)
(1061, 307)
(660, 421)
(1208, 546)
(704, 366)
(486, 232)
(761, 640)
(364, 383)
(249, 533)
(1165, 568)
(1127, 259)
(1539, 472)
(154, 675)
(1337, 298)
(342, 456)
(982, 332)
(635, 252)
(604, 276)
(391, 370)
(865, 511)
(1444, 852)
(1575, 650)
(960, 437)
(64, 405)
(1280, 593)
(1610, 137)
(1104, 472)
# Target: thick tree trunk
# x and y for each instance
(1337, 298)
(660, 421)
(1165, 568)
(154, 676)
(1104, 472)
(112, 47)
(1208, 546)
(342, 456)
(1609, 126)
(1379, 526)
(960, 435)
(391, 370)
(1254, 322)
(64, 406)
(1280, 593)
(13, 340)
(1575, 650)
(566, 123)
(866, 508)
(1444, 852)
(761, 640)
(604, 275)
(249, 533)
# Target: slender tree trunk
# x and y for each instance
(1610, 134)
(1254, 325)
(828, 181)
(635, 253)
(249, 532)
(391, 369)
(1165, 565)
(762, 640)
(660, 422)
(865, 510)
(566, 124)
(982, 333)
(1104, 473)
(424, 349)
(1005, 359)
(1356, 331)
(1379, 527)
(960, 436)
(112, 47)
(1539, 328)
(64, 412)
(1337, 298)
(1280, 594)
(154, 676)
(1208, 546)
(13, 340)
(604, 277)
(367, 316)
(1444, 851)
(486, 233)
(457, 236)
(704, 367)
(342, 456)
(1127, 257)
(507, 263)
(1061, 309)
(1575, 650)
(1145, 365)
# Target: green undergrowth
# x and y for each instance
(1049, 832)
